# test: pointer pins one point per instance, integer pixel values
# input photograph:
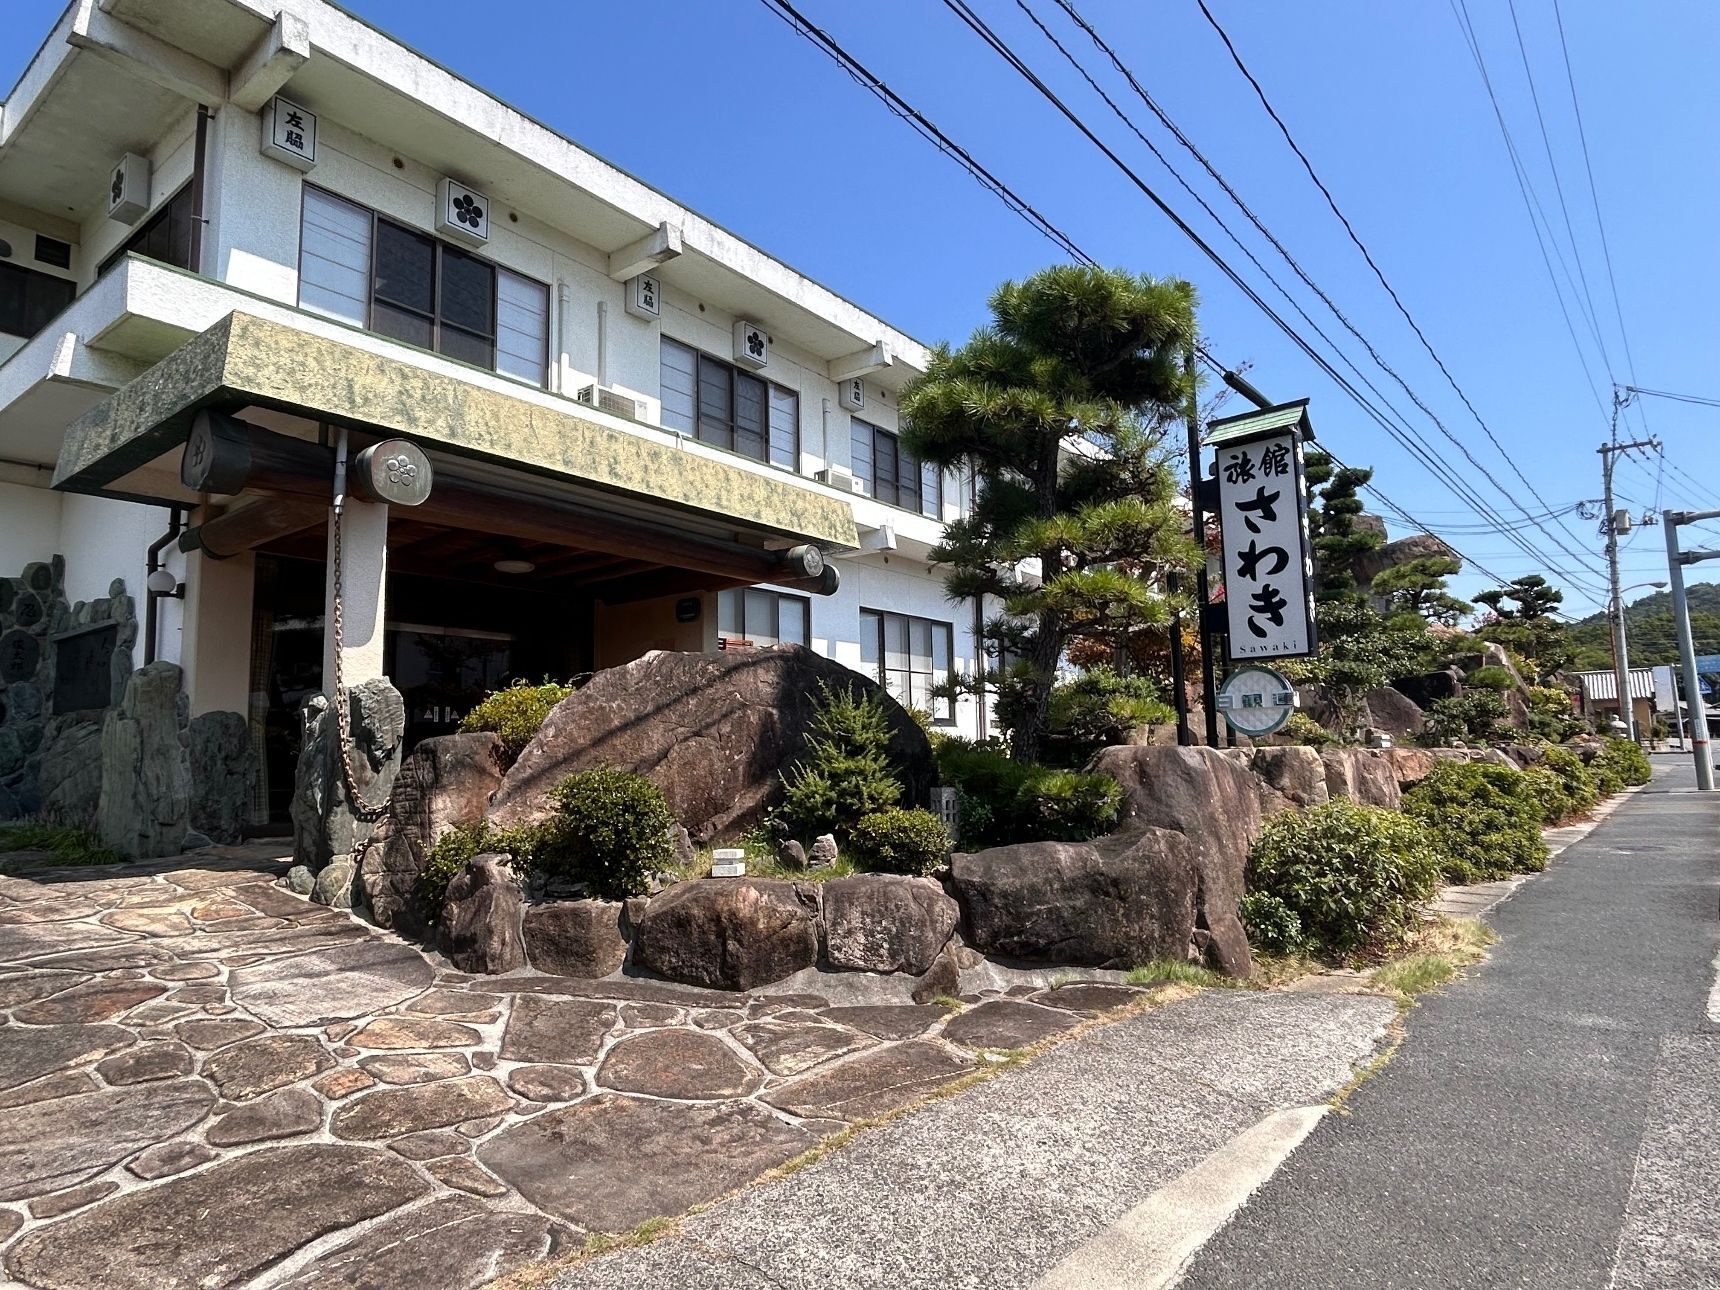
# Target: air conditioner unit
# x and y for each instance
(128, 189)
(612, 401)
(851, 394)
(752, 346)
(841, 478)
(462, 213)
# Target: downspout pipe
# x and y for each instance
(199, 181)
(152, 597)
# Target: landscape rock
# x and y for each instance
(1367, 776)
(681, 842)
(609, 1163)
(163, 1236)
(1411, 765)
(791, 855)
(1290, 776)
(333, 885)
(70, 771)
(824, 851)
(445, 781)
(687, 1064)
(325, 824)
(578, 938)
(1394, 712)
(223, 768)
(729, 933)
(719, 730)
(1115, 901)
(886, 922)
(300, 880)
(481, 913)
(1215, 804)
(145, 803)
(944, 978)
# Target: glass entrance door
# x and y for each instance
(443, 673)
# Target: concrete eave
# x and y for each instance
(127, 443)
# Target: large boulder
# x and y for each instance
(1428, 688)
(481, 917)
(1411, 765)
(580, 938)
(223, 772)
(1215, 803)
(880, 922)
(729, 933)
(1289, 775)
(70, 773)
(443, 782)
(145, 805)
(1117, 901)
(1394, 712)
(1363, 775)
(713, 731)
(327, 824)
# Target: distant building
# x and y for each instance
(1600, 697)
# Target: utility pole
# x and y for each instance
(1615, 605)
(1675, 562)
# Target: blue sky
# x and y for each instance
(720, 104)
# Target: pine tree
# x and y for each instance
(1057, 409)
(1334, 503)
(1419, 587)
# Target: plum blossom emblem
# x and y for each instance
(467, 210)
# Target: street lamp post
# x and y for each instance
(1621, 655)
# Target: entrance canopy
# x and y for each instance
(505, 465)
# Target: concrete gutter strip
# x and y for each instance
(1148, 1248)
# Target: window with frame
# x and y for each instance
(361, 268)
(29, 300)
(717, 403)
(164, 236)
(908, 656)
(891, 473)
(764, 617)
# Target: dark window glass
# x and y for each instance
(164, 236)
(468, 293)
(29, 300)
(884, 467)
(908, 657)
(405, 269)
(716, 403)
(752, 412)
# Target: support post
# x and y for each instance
(1615, 601)
(1675, 562)
(1197, 519)
(363, 555)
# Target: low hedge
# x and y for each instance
(1338, 877)
(516, 714)
(900, 840)
(1485, 819)
(1619, 764)
(1005, 801)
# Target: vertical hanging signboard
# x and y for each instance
(1263, 517)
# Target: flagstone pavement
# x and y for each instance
(207, 1081)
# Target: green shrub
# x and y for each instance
(1004, 801)
(1303, 729)
(1485, 819)
(1353, 877)
(67, 846)
(1474, 718)
(1495, 678)
(1271, 924)
(846, 771)
(611, 830)
(458, 845)
(1620, 763)
(1552, 715)
(900, 840)
(1548, 790)
(1099, 708)
(1577, 781)
(516, 713)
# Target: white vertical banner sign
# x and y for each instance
(1268, 566)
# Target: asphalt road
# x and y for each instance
(1553, 1120)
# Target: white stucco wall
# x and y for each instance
(29, 525)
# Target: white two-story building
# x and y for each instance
(267, 228)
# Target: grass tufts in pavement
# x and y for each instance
(1435, 953)
(65, 845)
(1177, 972)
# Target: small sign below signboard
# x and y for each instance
(1257, 700)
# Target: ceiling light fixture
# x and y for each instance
(514, 566)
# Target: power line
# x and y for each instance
(963, 11)
(922, 125)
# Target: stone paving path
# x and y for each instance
(206, 1081)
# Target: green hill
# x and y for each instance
(1648, 623)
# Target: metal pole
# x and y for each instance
(1197, 519)
(1179, 681)
(1687, 655)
